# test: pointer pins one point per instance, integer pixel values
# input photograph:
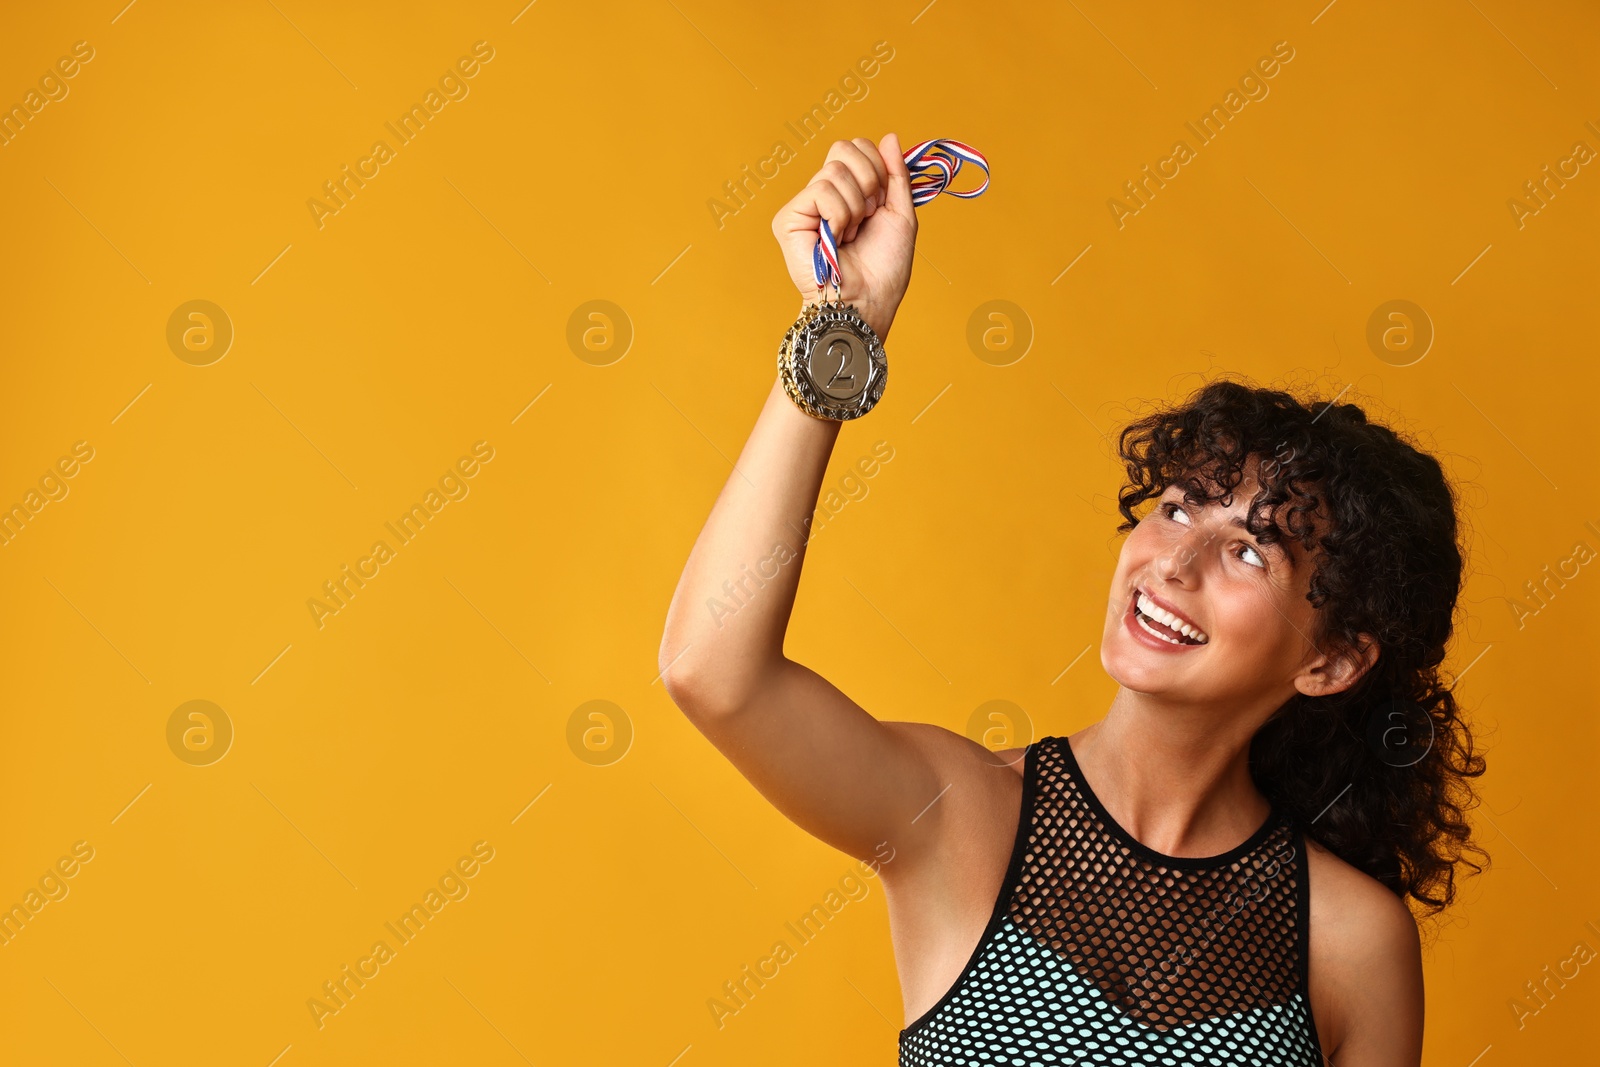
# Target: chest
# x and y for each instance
(1092, 942)
(1166, 949)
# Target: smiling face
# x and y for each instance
(1203, 614)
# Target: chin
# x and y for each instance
(1127, 667)
(1136, 666)
(1135, 677)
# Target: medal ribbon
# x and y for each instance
(933, 165)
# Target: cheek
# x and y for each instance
(1143, 542)
(1259, 617)
(1140, 546)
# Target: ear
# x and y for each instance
(1324, 675)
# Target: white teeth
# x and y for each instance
(1155, 611)
(1145, 626)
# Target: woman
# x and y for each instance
(1229, 867)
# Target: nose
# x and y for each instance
(1175, 559)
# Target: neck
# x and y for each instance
(1174, 777)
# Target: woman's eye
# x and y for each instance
(1172, 509)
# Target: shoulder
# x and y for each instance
(1365, 965)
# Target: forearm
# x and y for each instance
(722, 644)
(725, 627)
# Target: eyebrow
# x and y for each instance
(1283, 547)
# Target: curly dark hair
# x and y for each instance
(1379, 774)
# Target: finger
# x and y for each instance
(899, 176)
(832, 206)
(869, 151)
(805, 210)
(839, 174)
(862, 168)
(862, 157)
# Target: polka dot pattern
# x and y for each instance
(1102, 951)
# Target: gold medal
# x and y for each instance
(832, 364)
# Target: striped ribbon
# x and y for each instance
(933, 165)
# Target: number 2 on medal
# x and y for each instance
(840, 348)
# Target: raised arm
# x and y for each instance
(832, 768)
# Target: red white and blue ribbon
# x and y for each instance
(933, 164)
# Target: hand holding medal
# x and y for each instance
(831, 361)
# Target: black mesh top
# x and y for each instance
(1102, 951)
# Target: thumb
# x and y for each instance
(899, 194)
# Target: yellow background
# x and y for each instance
(369, 354)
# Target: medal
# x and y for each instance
(831, 363)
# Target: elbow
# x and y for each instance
(701, 683)
(673, 671)
(691, 684)
(681, 672)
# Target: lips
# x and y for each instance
(1139, 632)
(1168, 606)
(1153, 626)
